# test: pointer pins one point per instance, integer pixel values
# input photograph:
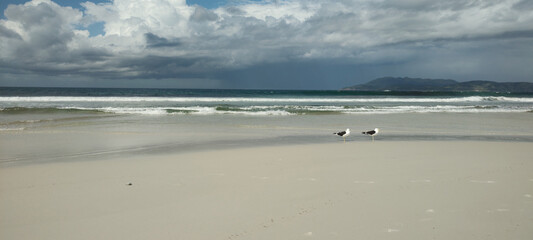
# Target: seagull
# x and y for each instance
(343, 134)
(372, 133)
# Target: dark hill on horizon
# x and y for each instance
(440, 85)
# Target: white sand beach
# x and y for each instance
(353, 190)
(219, 120)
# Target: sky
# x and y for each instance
(261, 44)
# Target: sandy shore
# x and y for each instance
(353, 190)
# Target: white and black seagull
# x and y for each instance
(372, 133)
(343, 134)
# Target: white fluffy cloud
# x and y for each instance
(170, 39)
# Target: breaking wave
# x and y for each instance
(271, 110)
(59, 99)
(28, 110)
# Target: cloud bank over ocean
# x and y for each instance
(263, 44)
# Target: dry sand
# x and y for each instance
(353, 190)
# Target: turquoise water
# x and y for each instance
(62, 123)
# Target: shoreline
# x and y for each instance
(236, 144)
(382, 189)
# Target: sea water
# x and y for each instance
(37, 123)
(252, 102)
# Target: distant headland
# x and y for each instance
(440, 85)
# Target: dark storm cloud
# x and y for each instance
(234, 11)
(515, 34)
(524, 5)
(8, 33)
(164, 67)
(271, 44)
(154, 41)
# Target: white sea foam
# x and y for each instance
(434, 109)
(243, 99)
(283, 110)
(182, 110)
(263, 106)
(143, 111)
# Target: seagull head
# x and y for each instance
(376, 129)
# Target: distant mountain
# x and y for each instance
(440, 85)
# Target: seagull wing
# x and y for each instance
(341, 133)
(372, 132)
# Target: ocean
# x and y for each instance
(252, 102)
(94, 121)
